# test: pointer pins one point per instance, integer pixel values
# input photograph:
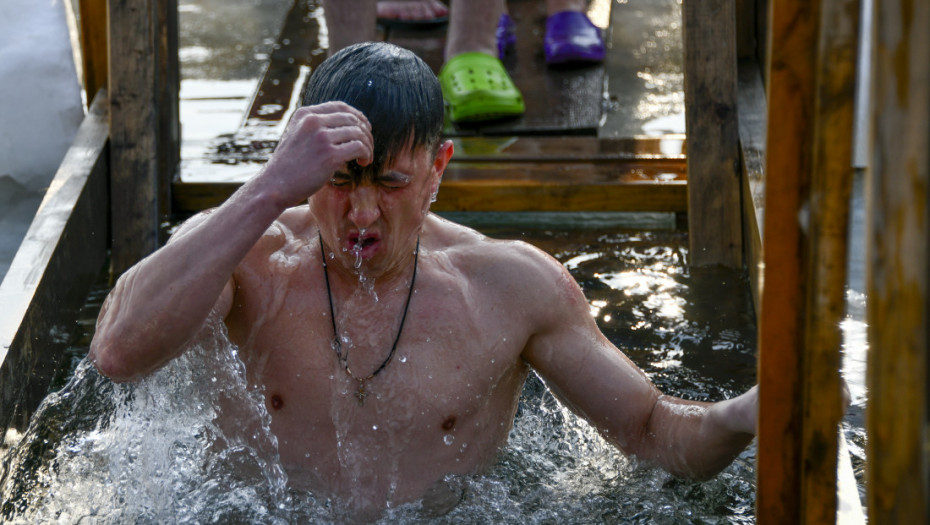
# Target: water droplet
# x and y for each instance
(403, 359)
(448, 439)
(374, 427)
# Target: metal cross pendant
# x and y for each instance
(361, 394)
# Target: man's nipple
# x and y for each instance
(276, 402)
(449, 423)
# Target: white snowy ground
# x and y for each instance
(40, 110)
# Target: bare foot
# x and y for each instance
(411, 10)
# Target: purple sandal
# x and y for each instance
(506, 34)
(572, 38)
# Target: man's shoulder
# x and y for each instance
(509, 257)
(294, 223)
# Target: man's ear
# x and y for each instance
(443, 156)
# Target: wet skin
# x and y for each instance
(443, 404)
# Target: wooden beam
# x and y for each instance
(828, 200)
(167, 93)
(93, 14)
(643, 64)
(897, 310)
(143, 124)
(813, 75)
(521, 185)
(793, 28)
(48, 281)
(715, 230)
(133, 132)
(752, 114)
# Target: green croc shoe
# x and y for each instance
(477, 87)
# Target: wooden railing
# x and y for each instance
(61, 257)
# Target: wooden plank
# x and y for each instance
(60, 258)
(752, 121)
(526, 186)
(297, 47)
(791, 93)
(715, 229)
(828, 198)
(167, 89)
(664, 149)
(643, 70)
(134, 124)
(898, 233)
(93, 15)
(563, 149)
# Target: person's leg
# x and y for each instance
(411, 10)
(474, 82)
(349, 22)
(471, 26)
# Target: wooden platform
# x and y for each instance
(607, 137)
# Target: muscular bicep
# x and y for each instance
(586, 371)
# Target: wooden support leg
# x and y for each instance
(715, 232)
(899, 187)
(809, 175)
(143, 123)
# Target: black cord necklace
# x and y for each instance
(361, 393)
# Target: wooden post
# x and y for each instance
(715, 230)
(143, 124)
(93, 46)
(168, 87)
(809, 175)
(790, 98)
(897, 309)
(828, 199)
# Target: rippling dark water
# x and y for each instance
(150, 453)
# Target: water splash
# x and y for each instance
(149, 452)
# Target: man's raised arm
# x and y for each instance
(162, 302)
(587, 372)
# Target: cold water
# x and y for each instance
(155, 451)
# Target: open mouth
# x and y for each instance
(365, 246)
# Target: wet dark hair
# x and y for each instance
(393, 87)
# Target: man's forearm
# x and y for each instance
(698, 440)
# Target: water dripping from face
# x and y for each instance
(367, 283)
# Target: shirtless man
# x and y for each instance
(436, 326)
